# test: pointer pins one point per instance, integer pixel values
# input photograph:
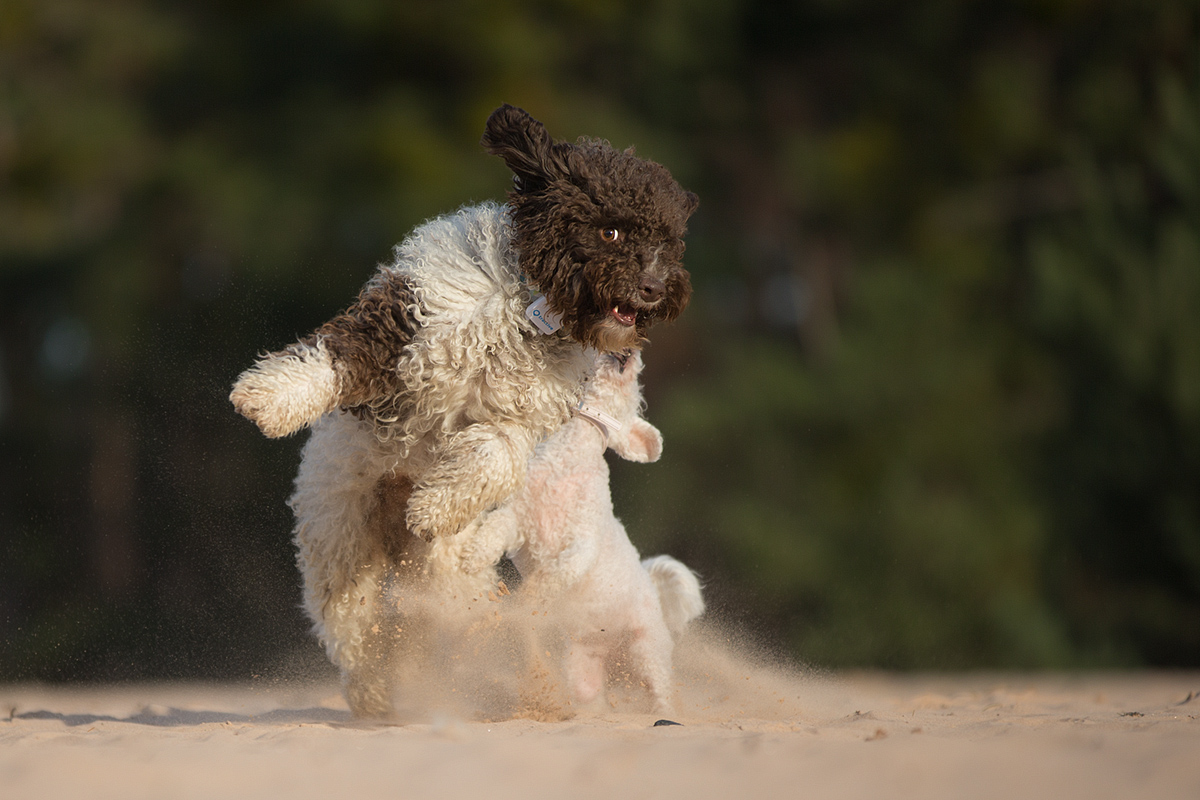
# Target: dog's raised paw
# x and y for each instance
(436, 511)
(285, 392)
(422, 521)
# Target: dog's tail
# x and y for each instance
(678, 592)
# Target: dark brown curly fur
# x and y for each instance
(366, 340)
(566, 197)
(608, 293)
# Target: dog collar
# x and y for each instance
(606, 423)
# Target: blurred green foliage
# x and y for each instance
(936, 403)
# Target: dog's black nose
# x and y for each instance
(651, 288)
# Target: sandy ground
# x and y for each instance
(746, 731)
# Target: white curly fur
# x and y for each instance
(481, 387)
(575, 556)
(287, 392)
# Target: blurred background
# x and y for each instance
(936, 403)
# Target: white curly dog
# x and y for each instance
(615, 612)
(427, 396)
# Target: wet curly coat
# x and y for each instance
(429, 393)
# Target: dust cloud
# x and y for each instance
(500, 658)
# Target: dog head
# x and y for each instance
(599, 231)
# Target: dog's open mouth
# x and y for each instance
(624, 314)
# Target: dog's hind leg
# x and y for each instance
(650, 653)
(367, 671)
(583, 668)
(342, 521)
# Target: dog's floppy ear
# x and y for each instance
(524, 145)
(641, 442)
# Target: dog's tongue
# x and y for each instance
(624, 315)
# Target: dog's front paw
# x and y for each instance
(431, 516)
(426, 524)
(287, 391)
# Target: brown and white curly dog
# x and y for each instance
(428, 394)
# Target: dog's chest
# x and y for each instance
(479, 379)
(475, 359)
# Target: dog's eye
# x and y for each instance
(610, 234)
